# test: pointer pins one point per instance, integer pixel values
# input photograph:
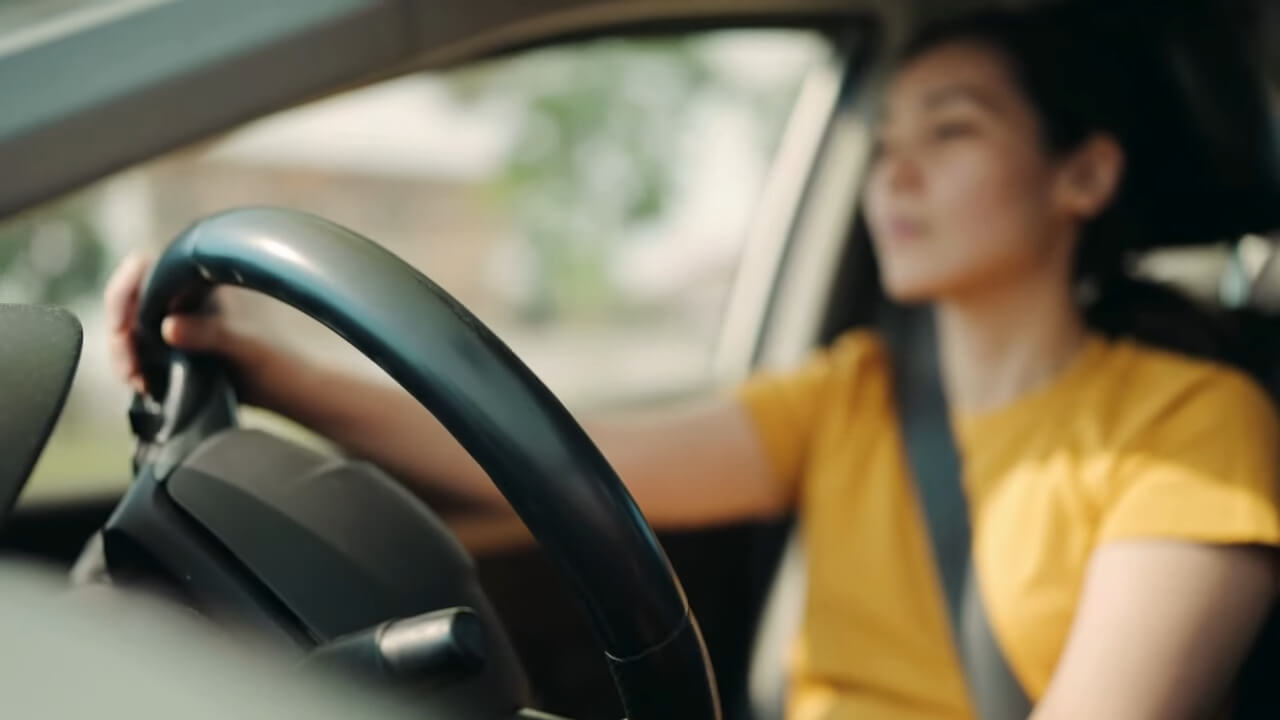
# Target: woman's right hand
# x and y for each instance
(250, 359)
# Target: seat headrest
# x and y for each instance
(1188, 82)
(1219, 137)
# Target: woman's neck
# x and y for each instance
(999, 344)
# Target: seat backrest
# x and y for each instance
(768, 677)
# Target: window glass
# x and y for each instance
(589, 202)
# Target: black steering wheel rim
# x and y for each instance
(537, 455)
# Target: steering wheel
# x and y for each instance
(541, 460)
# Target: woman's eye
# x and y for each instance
(952, 130)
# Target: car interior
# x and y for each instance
(590, 612)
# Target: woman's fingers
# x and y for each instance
(121, 295)
(124, 359)
(120, 301)
(201, 333)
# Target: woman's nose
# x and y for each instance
(901, 171)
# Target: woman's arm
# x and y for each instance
(1161, 630)
(695, 465)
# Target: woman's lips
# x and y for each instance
(903, 229)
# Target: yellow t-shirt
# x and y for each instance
(1128, 442)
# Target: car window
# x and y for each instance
(590, 202)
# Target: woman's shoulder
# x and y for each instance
(857, 359)
(1170, 380)
(856, 354)
(857, 345)
(1156, 396)
(1195, 449)
(851, 364)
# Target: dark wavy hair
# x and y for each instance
(1084, 76)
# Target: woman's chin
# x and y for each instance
(907, 291)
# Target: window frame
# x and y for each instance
(772, 226)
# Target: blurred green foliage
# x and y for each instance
(56, 255)
(598, 154)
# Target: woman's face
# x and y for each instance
(961, 195)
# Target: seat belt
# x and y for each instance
(911, 338)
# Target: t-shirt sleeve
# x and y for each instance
(1209, 471)
(785, 407)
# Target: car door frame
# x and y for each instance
(87, 98)
(158, 98)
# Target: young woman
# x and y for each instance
(1124, 498)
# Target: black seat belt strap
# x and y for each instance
(935, 465)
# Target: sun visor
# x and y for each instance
(39, 353)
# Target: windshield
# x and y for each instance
(590, 201)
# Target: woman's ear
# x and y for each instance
(1090, 177)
